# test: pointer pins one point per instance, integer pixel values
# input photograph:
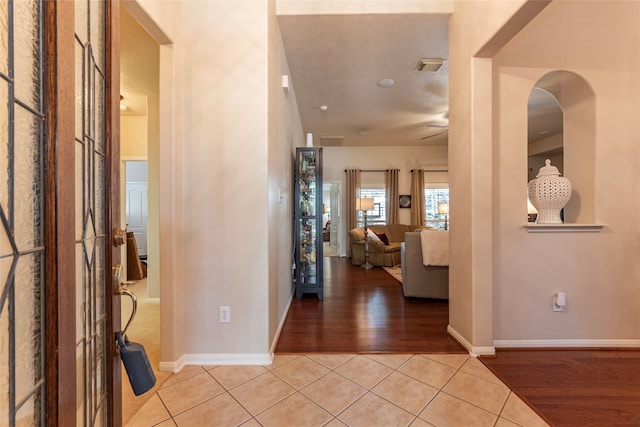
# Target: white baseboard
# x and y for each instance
(215, 359)
(566, 343)
(274, 343)
(227, 359)
(473, 351)
(172, 366)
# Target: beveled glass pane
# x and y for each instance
(100, 210)
(80, 298)
(79, 92)
(97, 28)
(5, 269)
(81, 12)
(28, 317)
(100, 360)
(80, 391)
(79, 189)
(4, 143)
(100, 122)
(101, 418)
(89, 238)
(28, 415)
(27, 52)
(28, 183)
(4, 364)
(90, 105)
(5, 244)
(4, 43)
(90, 176)
(100, 287)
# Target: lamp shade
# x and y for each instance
(364, 204)
(443, 208)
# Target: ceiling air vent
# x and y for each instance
(429, 64)
(331, 141)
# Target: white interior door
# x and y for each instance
(136, 189)
(137, 213)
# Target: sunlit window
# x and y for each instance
(377, 216)
(432, 198)
(436, 191)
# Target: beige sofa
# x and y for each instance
(419, 280)
(380, 254)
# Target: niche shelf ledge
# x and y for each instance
(533, 227)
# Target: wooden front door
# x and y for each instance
(58, 211)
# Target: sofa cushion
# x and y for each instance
(382, 237)
(392, 247)
(396, 232)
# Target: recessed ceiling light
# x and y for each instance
(323, 108)
(429, 64)
(386, 82)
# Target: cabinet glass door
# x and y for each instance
(308, 219)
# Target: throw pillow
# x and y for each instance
(373, 236)
(383, 237)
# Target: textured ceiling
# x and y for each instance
(338, 61)
(139, 65)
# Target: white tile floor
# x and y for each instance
(339, 390)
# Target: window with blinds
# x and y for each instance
(377, 216)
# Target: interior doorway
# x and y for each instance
(140, 176)
(330, 218)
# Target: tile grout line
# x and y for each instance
(368, 389)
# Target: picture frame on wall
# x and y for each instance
(405, 201)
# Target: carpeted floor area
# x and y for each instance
(145, 329)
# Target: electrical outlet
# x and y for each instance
(225, 314)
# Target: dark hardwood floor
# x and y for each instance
(574, 387)
(365, 312)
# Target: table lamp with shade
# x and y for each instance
(365, 204)
(443, 209)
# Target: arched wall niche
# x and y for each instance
(564, 104)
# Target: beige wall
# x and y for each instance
(598, 271)
(226, 176)
(225, 124)
(133, 137)
(503, 278)
(471, 167)
(285, 132)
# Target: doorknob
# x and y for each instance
(119, 237)
(117, 275)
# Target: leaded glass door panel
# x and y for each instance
(58, 84)
(22, 304)
(95, 159)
